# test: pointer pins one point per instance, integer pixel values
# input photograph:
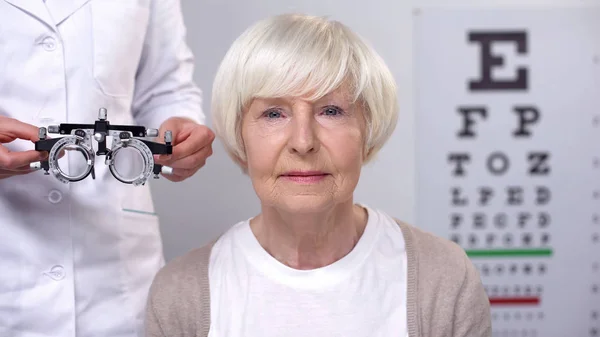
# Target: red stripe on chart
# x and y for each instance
(514, 300)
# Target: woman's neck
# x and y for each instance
(309, 241)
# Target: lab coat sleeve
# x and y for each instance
(164, 81)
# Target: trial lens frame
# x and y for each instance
(79, 138)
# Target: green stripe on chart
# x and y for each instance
(508, 252)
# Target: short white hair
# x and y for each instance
(302, 56)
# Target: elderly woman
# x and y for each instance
(301, 103)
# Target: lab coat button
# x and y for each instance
(49, 43)
(57, 273)
(55, 196)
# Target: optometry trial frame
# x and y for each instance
(78, 137)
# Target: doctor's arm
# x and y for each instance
(166, 96)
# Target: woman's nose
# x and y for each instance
(303, 139)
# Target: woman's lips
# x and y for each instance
(304, 176)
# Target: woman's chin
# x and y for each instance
(299, 204)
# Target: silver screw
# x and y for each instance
(42, 133)
(102, 114)
(168, 136)
(99, 136)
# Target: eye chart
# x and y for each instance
(507, 106)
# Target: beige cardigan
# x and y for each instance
(445, 296)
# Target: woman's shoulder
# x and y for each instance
(429, 253)
(434, 253)
(430, 244)
(425, 244)
(185, 274)
(194, 263)
(446, 284)
(178, 271)
(179, 297)
(184, 280)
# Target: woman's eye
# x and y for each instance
(332, 111)
(273, 114)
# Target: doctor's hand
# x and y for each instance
(192, 145)
(17, 163)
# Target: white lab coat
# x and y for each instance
(78, 259)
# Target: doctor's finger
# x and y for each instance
(12, 160)
(180, 174)
(195, 142)
(11, 129)
(193, 160)
(25, 168)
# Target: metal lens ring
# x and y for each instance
(143, 151)
(78, 142)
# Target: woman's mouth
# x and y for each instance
(306, 177)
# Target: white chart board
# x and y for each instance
(508, 157)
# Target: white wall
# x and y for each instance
(196, 211)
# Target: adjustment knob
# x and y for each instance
(151, 133)
(35, 165)
(168, 136)
(166, 170)
(53, 129)
(42, 133)
(102, 114)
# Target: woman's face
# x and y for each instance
(302, 156)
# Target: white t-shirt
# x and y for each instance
(362, 294)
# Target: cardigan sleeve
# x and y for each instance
(152, 323)
(178, 303)
(472, 310)
(445, 295)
